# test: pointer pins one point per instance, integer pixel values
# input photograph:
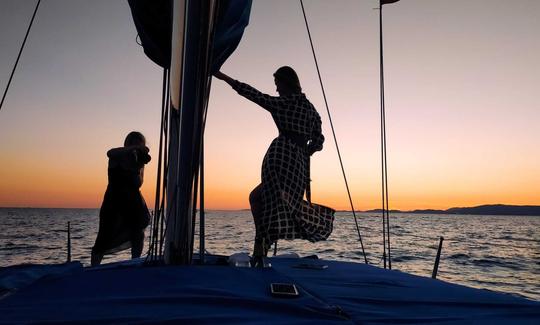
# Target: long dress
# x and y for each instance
(123, 215)
(285, 170)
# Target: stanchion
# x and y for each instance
(69, 242)
(436, 266)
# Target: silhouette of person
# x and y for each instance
(123, 215)
(277, 204)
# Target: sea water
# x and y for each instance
(500, 253)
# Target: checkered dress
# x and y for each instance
(285, 170)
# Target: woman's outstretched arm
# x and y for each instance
(270, 103)
(221, 76)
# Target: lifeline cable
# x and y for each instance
(333, 132)
(19, 56)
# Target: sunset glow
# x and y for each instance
(463, 112)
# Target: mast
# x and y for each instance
(190, 77)
(178, 35)
(176, 78)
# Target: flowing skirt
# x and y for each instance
(285, 214)
(122, 219)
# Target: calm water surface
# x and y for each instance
(499, 253)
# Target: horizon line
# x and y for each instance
(247, 209)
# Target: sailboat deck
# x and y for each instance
(341, 293)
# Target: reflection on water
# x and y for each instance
(492, 252)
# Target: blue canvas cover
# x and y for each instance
(343, 292)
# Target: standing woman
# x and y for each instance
(277, 204)
(123, 215)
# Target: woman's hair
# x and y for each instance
(134, 138)
(288, 76)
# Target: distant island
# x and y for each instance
(489, 209)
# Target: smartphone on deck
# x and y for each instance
(284, 290)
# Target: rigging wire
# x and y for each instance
(19, 55)
(381, 89)
(166, 127)
(205, 68)
(333, 131)
(161, 219)
(384, 161)
(205, 105)
(157, 210)
(158, 207)
(202, 213)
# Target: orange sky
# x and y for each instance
(462, 104)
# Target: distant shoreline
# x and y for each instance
(488, 209)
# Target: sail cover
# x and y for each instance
(153, 20)
(232, 19)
